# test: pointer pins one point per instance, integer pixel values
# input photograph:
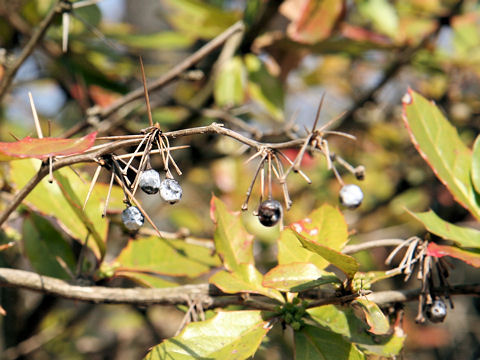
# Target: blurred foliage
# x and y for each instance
(293, 52)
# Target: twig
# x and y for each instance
(29, 47)
(352, 249)
(206, 294)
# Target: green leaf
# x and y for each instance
(233, 243)
(462, 236)
(313, 343)
(166, 257)
(476, 165)
(290, 250)
(470, 257)
(344, 262)
(364, 280)
(199, 19)
(382, 14)
(342, 320)
(297, 277)
(165, 40)
(232, 335)
(369, 312)
(325, 225)
(43, 244)
(230, 83)
(264, 88)
(144, 279)
(439, 144)
(247, 279)
(54, 200)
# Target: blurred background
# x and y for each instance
(361, 54)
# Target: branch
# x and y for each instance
(99, 151)
(207, 294)
(9, 75)
(175, 72)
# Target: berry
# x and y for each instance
(437, 311)
(132, 218)
(269, 212)
(351, 196)
(150, 181)
(170, 190)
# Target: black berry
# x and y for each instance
(150, 181)
(170, 190)
(437, 311)
(132, 218)
(351, 196)
(269, 212)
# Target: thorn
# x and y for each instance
(317, 117)
(50, 169)
(65, 28)
(145, 89)
(12, 135)
(92, 184)
(35, 117)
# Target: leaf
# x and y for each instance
(438, 143)
(342, 320)
(344, 262)
(315, 20)
(290, 250)
(382, 14)
(470, 257)
(369, 312)
(165, 40)
(231, 335)
(264, 88)
(43, 148)
(43, 244)
(145, 279)
(230, 83)
(49, 199)
(233, 243)
(247, 279)
(476, 165)
(297, 277)
(325, 225)
(364, 280)
(166, 257)
(312, 343)
(462, 236)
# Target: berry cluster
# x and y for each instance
(293, 313)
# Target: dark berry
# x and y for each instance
(269, 212)
(170, 190)
(150, 181)
(132, 218)
(351, 196)
(437, 311)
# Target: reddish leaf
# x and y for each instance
(314, 19)
(358, 33)
(470, 257)
(43, 148)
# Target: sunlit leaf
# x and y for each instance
(49, 199)
(297, 277)
(247, 279)
(315, 20)
(43, 148)
(344, 262)
(232, 242)
(476, 164)
(342, 320)
(165, 40)
(470, 257)
(263, 87)
(43, 244)
(439, 144)
(313, 343)
(369, 312)
(382, 14)
(230, 83)
(462, 236)
(166, 257)
(234, 335)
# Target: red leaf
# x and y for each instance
(470, 257)
(43, 148)
(358, 33)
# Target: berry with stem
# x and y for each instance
(170, 190)
(351, 196)
(150, 181)
(132, 218)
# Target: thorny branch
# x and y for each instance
(207, 294)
